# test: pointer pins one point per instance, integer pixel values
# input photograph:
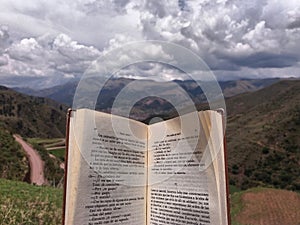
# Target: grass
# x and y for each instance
(58, 153)
(233, 189)
(236, 204)
(22, 203)
(45, 140)
(48, 142)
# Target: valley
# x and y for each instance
(263, 128)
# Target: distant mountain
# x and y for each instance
(33, 82)
(263, 136)
(231, 88)
(263, 124)
(31, 116)
(65, 93)
(60, 93)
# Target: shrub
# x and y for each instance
(265, 150)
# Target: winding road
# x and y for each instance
(35, 161)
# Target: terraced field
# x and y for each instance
(264, 206)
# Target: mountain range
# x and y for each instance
(65, 93)
(157, 98)
(31, 116)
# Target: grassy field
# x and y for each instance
(49, 143)
(59, 153)
(22, 203)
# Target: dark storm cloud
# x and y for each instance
(266, 60)
(294, 25)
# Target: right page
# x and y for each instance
(186, 171)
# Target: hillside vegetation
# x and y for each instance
(13, 162)
(31, 116)
(15, 166)
(263, 137)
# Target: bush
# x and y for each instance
(265, 150)
(235, 169)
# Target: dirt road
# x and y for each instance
(35, 161)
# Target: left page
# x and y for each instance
(106, 174)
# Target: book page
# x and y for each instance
(187, 182)
(106, 176)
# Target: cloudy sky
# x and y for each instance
(49, 42)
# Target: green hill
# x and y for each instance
(263, 137)
(13, 162)
(31, 116)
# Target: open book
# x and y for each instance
(121, 171)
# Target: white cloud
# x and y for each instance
(262, 38)
(3, 60)
(46, 55)
(27, 50)
(74, 51)
(63, 37)
(153, 71)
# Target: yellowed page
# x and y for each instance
(106, 170)
(216, 155)
(186, 173)
(74, 161)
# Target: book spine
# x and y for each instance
(227, 178)
(69, 114)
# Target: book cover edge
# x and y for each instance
(223, 113)
(69, 113)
